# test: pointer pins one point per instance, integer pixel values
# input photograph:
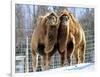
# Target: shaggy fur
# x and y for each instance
(71, 39)
(44, 39)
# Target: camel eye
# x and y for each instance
(67, 17)
(52, 17)
(61, 18)
(49, 17)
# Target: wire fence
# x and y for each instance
(24, 54)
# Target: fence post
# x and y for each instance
(27, 63)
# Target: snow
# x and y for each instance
(60, 72)
(76, 68)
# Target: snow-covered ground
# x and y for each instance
(75, 68)
(59, 72)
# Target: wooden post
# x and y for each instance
(27, 62)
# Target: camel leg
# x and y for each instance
(76, 55)
(63, 58)
(69, 55)
(82, 53)
(62, 55)
(46, 60)
(34, 61)
(70, 49)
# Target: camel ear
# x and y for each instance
(70, 13)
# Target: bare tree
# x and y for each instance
(87, 20)
(19, 23)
